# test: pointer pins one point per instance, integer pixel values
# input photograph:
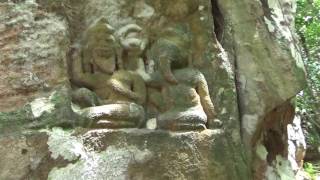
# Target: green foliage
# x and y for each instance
(312, 170)
(308, 23)
(308, 102)
(308, 26)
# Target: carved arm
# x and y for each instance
(165, 69)
(78, 76)
(85, 79)
(120, 88)
(139, 88)
(207, 105)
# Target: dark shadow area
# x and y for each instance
(218, 20)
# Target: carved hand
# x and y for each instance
(119, 88)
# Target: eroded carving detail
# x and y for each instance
(183, 98)
(109, 66)
(124, 107)
(111, 74)
(96, 61)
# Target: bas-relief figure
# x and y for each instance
(96, 61)
(111, 75)
(183, 98)
(119, 90)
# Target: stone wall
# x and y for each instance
(52, 67)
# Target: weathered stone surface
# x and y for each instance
(154, 17)
(22, 154)
(259, 37)
(296, 144)
(52, 110)
(33, 47)
(52, 43)
(269, 65)
(260, 51)
(275, 152)
(120, 154)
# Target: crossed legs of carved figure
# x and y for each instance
(176, 120)
(115, 115)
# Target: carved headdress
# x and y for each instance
(99, 46)
(174, 43)
(100, 30)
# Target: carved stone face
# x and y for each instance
(99, 48)
(104, 57)
(173, 46)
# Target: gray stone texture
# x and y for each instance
(246, 50)
(120, 154)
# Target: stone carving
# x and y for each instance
(187, 104)
(124, 107)
(132, 44)
(109, 65)
(183, 98)
(96, 62)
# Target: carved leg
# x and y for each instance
(120, 115)
(85, 98)
(111, 124)
(182, 121)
